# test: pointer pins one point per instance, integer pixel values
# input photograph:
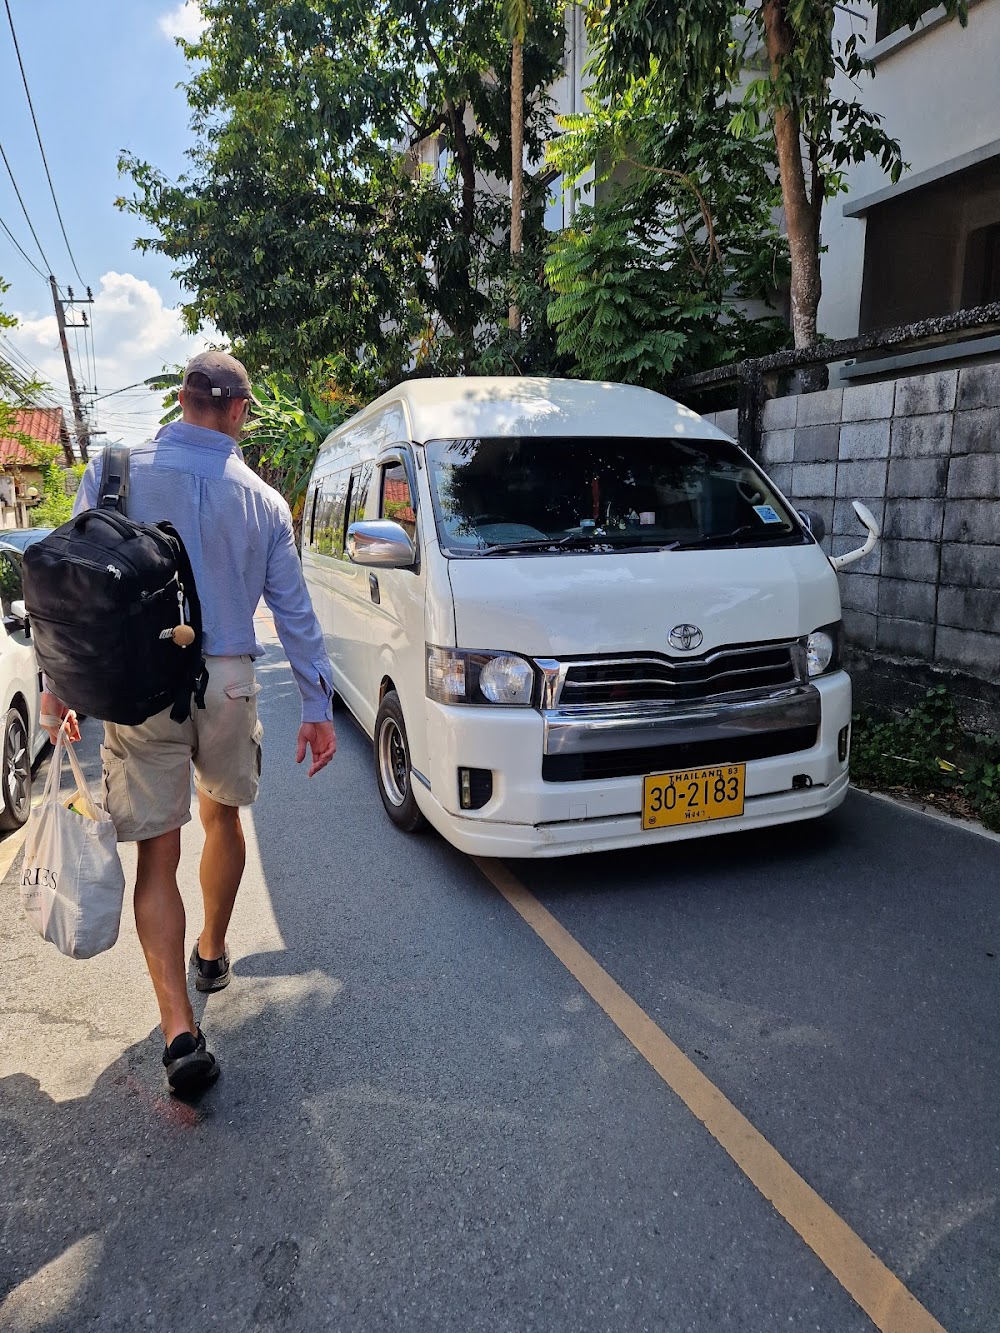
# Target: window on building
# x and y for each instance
(933, 250)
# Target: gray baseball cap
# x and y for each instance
(219, 374)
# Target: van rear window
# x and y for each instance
(504, 496)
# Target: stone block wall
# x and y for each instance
(923, 453)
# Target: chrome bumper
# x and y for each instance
(594, 727)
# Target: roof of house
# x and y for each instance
(46, 424)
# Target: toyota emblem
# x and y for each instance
(685, 637)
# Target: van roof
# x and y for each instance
(488, 406)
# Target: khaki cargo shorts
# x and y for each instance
(147, 769)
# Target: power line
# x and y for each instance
(38, 136)
(139, 384)
(25, 211)
(18, 357)
(17, 246)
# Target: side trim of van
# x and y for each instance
(415, 772)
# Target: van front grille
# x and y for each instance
(597, 764)
(660, 679)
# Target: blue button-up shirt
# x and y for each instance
(238, 534)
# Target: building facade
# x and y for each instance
(930, 244)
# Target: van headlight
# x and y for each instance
(461, 676)
(822, 649)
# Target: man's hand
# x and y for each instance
(321, 738)
(52, 710)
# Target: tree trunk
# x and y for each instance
(516, 164)
(801, 213)
(467, 217)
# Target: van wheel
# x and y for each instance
(15, 772)
(392, 767)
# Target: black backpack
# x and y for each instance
(106, 599)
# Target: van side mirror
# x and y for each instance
(814, 522)
(380, 542)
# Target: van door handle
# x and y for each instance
(373, 589)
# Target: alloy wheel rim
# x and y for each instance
(392, 761)
(16, 769)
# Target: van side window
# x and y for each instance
(345, 522)
(340, 484)
(314, 503)
(329, 520)
(359, 495)
(397, 502)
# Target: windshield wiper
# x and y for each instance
(735, 538)
(573, 541)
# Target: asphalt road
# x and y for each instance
(424, 1121)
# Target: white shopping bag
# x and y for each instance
(72, 882)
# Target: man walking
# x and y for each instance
(238, 534)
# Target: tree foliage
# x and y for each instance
(660, 275)
(56, 505)
(306, 226)
(803, 88)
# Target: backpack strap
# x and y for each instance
(181, 710)
(114, 478)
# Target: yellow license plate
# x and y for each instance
(692, 795)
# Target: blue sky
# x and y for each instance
(103, 76)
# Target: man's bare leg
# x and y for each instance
(222, 864)
(159, 920)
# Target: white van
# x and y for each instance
(574, 616)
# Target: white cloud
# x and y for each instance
(135, 336)
(185, 21)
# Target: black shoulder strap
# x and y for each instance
(114, 478)
(182, 704)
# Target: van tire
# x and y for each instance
(392, 767)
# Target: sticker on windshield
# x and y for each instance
(767, 514)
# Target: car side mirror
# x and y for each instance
(380, 542)
(17, 617)
(814, 522)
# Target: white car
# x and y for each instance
(21, 737)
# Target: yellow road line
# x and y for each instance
(889, 1305)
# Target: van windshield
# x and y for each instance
(503, 496)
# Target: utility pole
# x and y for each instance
(82, 431)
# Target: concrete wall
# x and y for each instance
(923, 453)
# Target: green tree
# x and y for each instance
(306, 226)
(660, 276)
(702, 52)
(56, 505)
